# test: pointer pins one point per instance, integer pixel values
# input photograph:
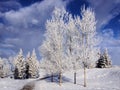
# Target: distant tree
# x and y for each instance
(28, 58)
(6, 67)
(107, 58)
(5, 70)
(32, 65)
(104, 60)
(20, 68)
(1, 68)
(11, 65)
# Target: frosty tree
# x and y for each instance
(32, 65)
(5, 70)
(1, 68)
(70, 39)
(87, 29)
(107, 58)
(26, 69)
(47, 53)
(28, 58)
(55, 35)
(20, 68)
(72, 44)
(11, 64)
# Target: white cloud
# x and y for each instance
(25, 28)
(105, 10)
(6, 46)
(35, 21)
(38, 11)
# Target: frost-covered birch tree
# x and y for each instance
(87, 28)
(72, 44)
(55, 35)
(88, 42)
(47, 55)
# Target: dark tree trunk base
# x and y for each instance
(52, 78)
(74, 77)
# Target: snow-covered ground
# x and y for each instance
(11, 84)
(97, 79)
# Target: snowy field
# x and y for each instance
(97, 79)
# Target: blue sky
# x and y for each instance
(22, 23)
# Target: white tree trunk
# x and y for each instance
(85, 81)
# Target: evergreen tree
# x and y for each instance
(28, 58)
(104, 60)
(100, 63)
(20, 68)
(32, 66)
(107, 58)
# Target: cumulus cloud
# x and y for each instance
(36, 14)
(25, 27)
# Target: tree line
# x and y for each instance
(20, 67)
